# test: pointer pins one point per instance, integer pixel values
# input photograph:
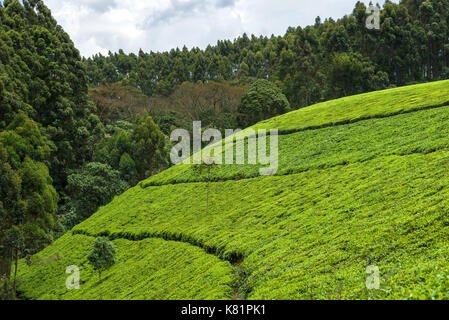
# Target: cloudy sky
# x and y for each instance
(159, 25)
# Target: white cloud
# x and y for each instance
(159, 25)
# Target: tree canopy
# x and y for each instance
(262, 101)
(41, 75)
(411, 46)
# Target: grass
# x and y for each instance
(371, 192)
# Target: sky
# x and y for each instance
(99, 26)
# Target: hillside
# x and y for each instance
(362, 181)
(329, 59)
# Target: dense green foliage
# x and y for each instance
(28, 200)
(93, 186)
(309, 235)
(50, 130)
(47, 126)
(361, 179)
(262, 101)
(149, 269)
(328, 60)
(6, 290)
(103, 255)
(41, 74)
(136, 153)
(371, 192)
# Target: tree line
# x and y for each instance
(329, 59)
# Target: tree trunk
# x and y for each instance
(15, 272)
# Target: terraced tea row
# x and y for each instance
(149, 269)
(309, 235)
(418, 132)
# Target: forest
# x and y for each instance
(77, 131)
(328, 60)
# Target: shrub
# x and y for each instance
(103, 255)
(262, 101)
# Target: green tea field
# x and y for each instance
(362, 181)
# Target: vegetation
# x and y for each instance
(41, 75)
(6, 291)
(366, 193)
(149, 269)
(328, 60)
(50, 131)
(137, 153)
(262, 101)
(361, 179)
(205, 167)
(309, 235)
(102, 256)
(94, 186)
(214, 103)
(28, 200)
(46, 123)
(364, 106)
(421, 131)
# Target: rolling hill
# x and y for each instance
(362, 181)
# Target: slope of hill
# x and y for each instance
(361, 182)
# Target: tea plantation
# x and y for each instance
(362, 181)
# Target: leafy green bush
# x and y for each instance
(262, 101)
(102, 256)
(137, 153)
(91, 187)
